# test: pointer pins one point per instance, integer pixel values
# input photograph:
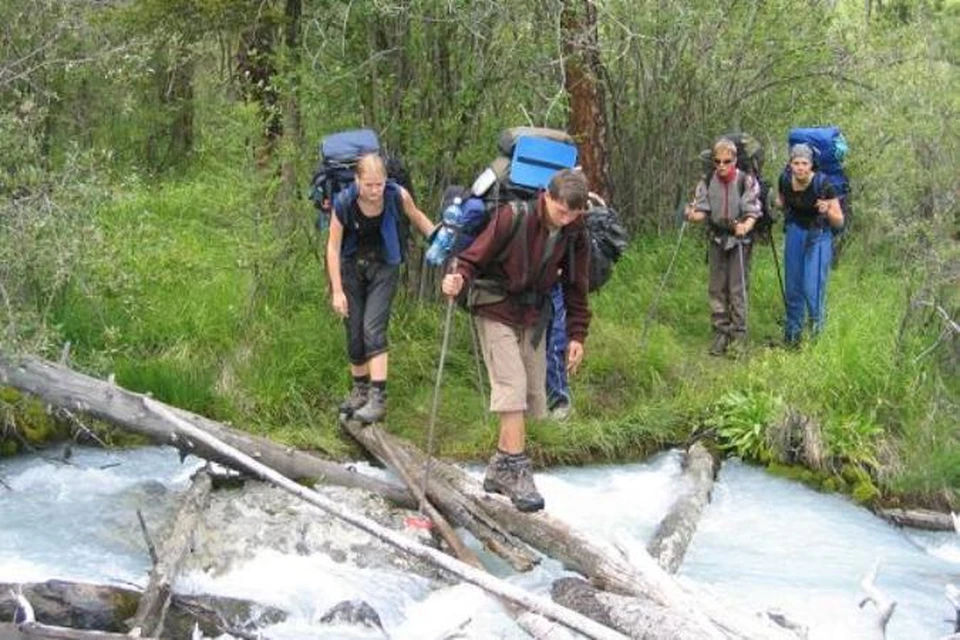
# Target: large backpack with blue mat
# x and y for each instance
(339, 153)
(528, 159)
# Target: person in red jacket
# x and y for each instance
(728, 199)
(509, 271)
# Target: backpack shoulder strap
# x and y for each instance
(393, 191)
(518, 224)
(343, 205)
(819, 179)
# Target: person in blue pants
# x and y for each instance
(558, 387)
(812, 213)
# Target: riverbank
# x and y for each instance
(203, 315)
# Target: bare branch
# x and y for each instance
(151, 549)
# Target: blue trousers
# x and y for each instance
(807, 255)
(558, 388)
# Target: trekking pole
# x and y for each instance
(776, 263)
(819, 307)
(663, 281)
(743, 285)
(448, 320)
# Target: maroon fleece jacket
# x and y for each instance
(480, 260)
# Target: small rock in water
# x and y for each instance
(356, 612)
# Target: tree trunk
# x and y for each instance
(255, 75)
(581, 70)
(38, 631)
(460, 509)
(292, 128)
(80, 605)
(155, 601)
(64, 387)
(635, 617)
(920, 519)
(179, 96)
(669, 543)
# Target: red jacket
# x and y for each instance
(527, 290)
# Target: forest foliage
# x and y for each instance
(157, 154)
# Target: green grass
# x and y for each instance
(186, 293)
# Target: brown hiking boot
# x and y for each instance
(356, 399)
(720, 342)
(375, 407)
(511, 475)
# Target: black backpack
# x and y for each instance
(339, 153)
(750, 161)
(608, 239)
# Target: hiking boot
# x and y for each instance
(356, 399)
(560, 412)
(375, 407)
(720, 342)
(511, 475)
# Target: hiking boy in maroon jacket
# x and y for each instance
(509, 270)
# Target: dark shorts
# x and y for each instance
(369, 287)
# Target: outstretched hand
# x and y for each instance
(574, 356)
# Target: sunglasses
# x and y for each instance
(719, 162)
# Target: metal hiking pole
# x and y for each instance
(663, 282)
(447, 322)
(776, 263)
(743, 285)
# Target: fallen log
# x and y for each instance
(396, 453)
(634, 617)
(874, 626)
(672, 537)
(504, 590)
(63, 387)
(40, 631)
(155, 601)
(535, 625)
(436, 519)
(80, 605)
(462, 498)
(919, 519)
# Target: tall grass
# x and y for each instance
(180, 293)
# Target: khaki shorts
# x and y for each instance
(517, 370)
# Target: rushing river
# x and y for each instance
(763, 543)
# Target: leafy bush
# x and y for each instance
(740, 421)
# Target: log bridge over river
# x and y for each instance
(615, 597)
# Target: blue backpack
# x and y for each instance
(829, 152)
(339, 153)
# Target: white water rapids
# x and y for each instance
(763, 543)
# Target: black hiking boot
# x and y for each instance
(511, 475)
(356, 399)
(720, 342)
(375, 407)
